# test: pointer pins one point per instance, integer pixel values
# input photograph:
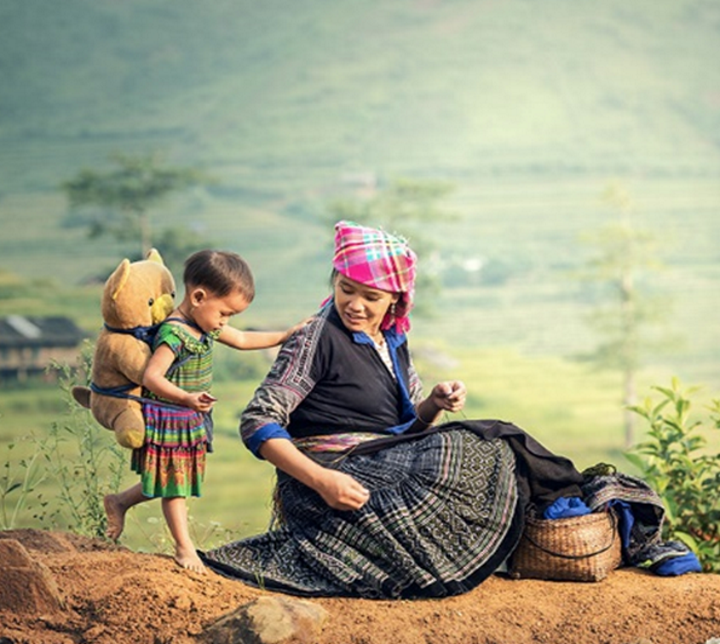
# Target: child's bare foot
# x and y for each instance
(188, 559)
(115, 511)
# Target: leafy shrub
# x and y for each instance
(84, 462)
(18, 480)
(74, 459)
(675, 460)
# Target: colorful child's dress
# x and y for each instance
(171, 462)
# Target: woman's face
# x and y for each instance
(361, 308)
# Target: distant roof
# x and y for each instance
(33, 331)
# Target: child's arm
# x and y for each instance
(154, 379)
(247, 340)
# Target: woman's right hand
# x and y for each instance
(341, 491)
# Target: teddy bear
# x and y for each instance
(136, 298)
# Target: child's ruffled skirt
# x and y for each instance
(171, 462)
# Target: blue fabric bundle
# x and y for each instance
(565, 507)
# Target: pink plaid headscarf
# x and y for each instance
(379, 260)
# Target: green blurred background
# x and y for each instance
(529, 111)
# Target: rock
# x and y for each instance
(269, 620)
(26, 586)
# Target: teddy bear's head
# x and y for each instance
(138, 293)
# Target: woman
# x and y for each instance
(371, 501)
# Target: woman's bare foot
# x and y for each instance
(188, 559)
(115, 511)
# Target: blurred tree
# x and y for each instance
(137, 184)
(623, 252)
(405, 207)
(177, 244)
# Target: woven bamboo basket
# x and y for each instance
(583, 548)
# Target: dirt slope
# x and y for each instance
(114, 596)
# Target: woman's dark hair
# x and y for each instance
(221, 272)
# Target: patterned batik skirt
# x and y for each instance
(171, 461)
(443, 514)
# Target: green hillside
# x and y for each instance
(529, 110)
(284, 96)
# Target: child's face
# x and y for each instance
(212, 312)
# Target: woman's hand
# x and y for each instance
(449, 396)
(445, 396)
(341, 491)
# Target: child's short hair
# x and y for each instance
(221, 272)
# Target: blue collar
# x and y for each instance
(392, 337)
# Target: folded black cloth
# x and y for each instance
(542, 475)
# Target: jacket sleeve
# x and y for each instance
(288, 382)
(414, 384)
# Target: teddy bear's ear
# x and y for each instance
(154, 256)
(118, 279)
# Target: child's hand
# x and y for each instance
(200, 401)
(297, 327)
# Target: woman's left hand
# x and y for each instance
(449, 396)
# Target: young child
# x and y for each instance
(177, 380)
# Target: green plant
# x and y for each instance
(18, 480)
(85, 464)
(676, 461)
(154, 534)
(205, 536)
(209, 535)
